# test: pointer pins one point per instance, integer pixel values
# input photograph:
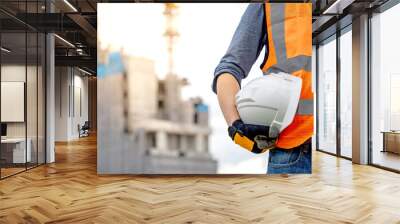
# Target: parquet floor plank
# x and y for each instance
(70, 191)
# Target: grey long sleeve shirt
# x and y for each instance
(246, 45)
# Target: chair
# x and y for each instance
(84, 130)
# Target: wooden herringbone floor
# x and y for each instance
(70, 191)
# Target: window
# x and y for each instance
(327, 97)
(394, 102)
(385, 89)
(346, 92)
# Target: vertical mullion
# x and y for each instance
(26, 86)
(37, 89)
(73, 93)
(45, 86)
(45, 94)
(69, 91)
(369, 100)
(60, 88)
(316, 97)
(338, 81)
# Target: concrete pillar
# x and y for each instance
(360, 90)
(202, 118)
(50, 99)
(50, 92)
(173, 86)
(183, 142)
(188, 112)
(64, 101)
(200, 143)
(161, 141)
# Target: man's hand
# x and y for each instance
(255, 138)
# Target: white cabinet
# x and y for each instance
(18, 149)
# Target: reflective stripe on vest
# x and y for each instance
(305, 107)
(292, 64)
(289, 50)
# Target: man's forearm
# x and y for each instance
(227, 87)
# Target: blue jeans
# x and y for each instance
(296, 160)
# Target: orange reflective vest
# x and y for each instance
(289, 49)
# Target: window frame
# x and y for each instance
(334, 37)
(379, 10)
(340, 31)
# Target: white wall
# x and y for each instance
(61, 85)
(11, 73)
(14, 73)
(79, 117)
(70, 83)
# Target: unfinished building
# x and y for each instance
(145, 126)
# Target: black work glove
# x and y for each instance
(255, 138)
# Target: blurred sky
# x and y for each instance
(206, 30)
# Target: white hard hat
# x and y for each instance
(270, 100)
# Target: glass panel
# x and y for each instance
(23, 90)
(41, 98)
(385, 84)
(31, 88)
(31, 98)
(13, 90)
(346, 94)
(327, 96)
